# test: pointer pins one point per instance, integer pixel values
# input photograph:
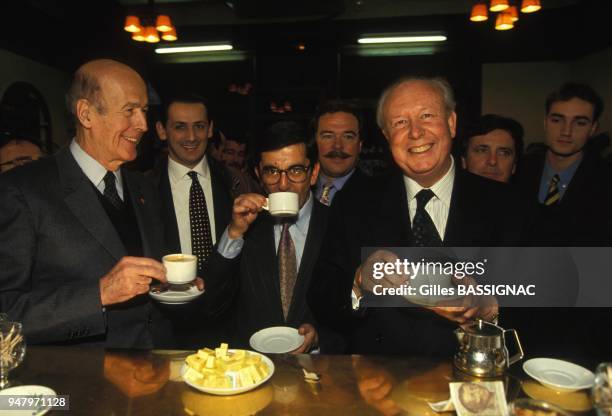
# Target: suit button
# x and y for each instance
(379, 338)
(150, 320)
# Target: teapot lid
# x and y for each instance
(483, 328)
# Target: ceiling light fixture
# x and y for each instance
(151, 35)
(530, 6)
(163, 23)
(196, 48)
(170, 36)
(479, 12)
(401, 39)
(513, 12)
(132, 24)
(504, 21)
(498, 5)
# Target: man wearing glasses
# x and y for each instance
(17, 151)
(263, 263)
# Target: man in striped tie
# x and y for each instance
(569, 182)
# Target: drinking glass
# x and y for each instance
(602, 390)
(12, 349)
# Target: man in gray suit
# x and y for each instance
(79, 233)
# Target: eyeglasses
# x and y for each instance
(17, 161)
(296, 174)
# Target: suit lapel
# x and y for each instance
(140, 202)
(393, 213)
(173, 241)
(312, 246)
(221, 197)
(266, 272)
(81, 199)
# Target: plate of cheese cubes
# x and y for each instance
(225, 371)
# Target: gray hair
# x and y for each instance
(84, 86)
(438, 83)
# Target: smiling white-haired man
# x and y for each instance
(80, 234)
(425, 201)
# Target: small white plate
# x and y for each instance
(558, 374)
(176, 297)
(238, 390)
(276, 339)
(30, 390)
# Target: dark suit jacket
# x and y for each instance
(57, 242)
(481, 213)
(193, 328)
(250, 283)
(221, 186)
(352, 189)
(582, 217)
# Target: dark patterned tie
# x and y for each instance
(423, 228)
(110, 190)
(553, 195)
(287, 267)
(201, 238)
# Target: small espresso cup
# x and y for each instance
(282, 204)
(180, 268)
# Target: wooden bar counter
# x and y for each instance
(148, 383)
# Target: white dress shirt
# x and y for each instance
(94, 171)
(180, 184)
(438, 206)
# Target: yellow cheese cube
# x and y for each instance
(210, 362)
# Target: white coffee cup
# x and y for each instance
(180, 268)
(282, 204)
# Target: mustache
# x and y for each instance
(337, 154)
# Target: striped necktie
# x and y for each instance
(553, 195)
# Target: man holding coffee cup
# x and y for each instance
(270, 256)
(196, 203)
(80, 233)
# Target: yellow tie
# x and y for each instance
(553, 195)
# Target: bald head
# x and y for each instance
(89, 79)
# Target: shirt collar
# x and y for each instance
(338, 183)
(177, 172)
(303, 217)
(565, 176)
(91, 167)
(442, 189)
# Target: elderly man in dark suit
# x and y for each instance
(80, 234)
(264, 264)
(426, 201)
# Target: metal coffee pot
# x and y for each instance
(482, 349)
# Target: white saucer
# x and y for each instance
(176, 297)
(276, 339)
(30, 390)
(559, 375)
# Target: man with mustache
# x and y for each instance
(233, 153)
(569, 181)
(337, 128)
(493, 147)
(196, 200)
(81, 239)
